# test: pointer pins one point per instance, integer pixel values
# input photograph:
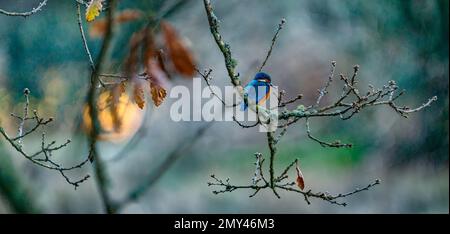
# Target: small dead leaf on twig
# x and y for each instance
(157, 79)
(158, 93)
(181, 57)
(300, 179)
(122, 87)
(138, 95)
(153, 70)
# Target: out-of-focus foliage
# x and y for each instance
(115, 128)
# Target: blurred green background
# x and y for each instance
(405, 41)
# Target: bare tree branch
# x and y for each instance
(100, 169)
(83, 38)
(25, 14)
(41, 157)
(26, 92)
(351, 101)
(335, 144)
(323, 91)
(230, 63)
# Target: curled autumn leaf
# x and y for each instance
(122, 88)
(181, 57)
(157, 76)
(138, 95)
(158, 93)
(157, 79)
(93, 9)
(300, 179)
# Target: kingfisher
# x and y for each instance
(258, 89)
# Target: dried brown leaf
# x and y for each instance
(158, 93)
(300, 179)
(157, 80)
(181, 57)
(138, 95)
(157, 76)
(122, 87)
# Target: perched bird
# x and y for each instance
(257, 90)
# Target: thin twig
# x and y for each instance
(207, 78)
(83, 38)
(25, 14)
(82, 2)
(29, 157)
(274, 39)
(230, 63)
(272, 148)
(323, 91)
(26, 92)
(335, 144)
(258, 169)
(283, 104)
(285, 171)
(46, 149)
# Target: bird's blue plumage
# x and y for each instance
(258, 89)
